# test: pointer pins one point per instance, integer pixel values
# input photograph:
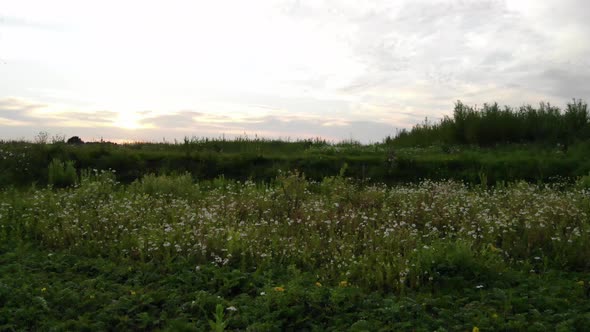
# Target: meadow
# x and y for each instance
(264, 235)
(165, 252)
(23, 164)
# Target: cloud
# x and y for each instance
(16, 104)
(190, 123)
(442, 51)
(289, 67)
(22, 112)
(20, 22)
(28, 118)
(418, 46)
(180, 120)
(18, 110)
(566, 81)
(92, 118)
(4, 121)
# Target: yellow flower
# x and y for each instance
(318, 284)
(343, 283)
(581, 282)
(133, 293)
(44, 289)
(475, 329)
(279, 289)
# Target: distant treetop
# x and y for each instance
(75, 140)
(492, 124)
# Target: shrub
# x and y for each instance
(175, 185)
(62, 174)
(583, 182)
(75, 140)
(491, 125)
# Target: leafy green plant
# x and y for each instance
(492, 125)
(62, 174)
(293, 189)
(173, 185)
(583, 182)
(219, 324)
(353, 256)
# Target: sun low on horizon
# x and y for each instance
(128, 120)
(153, 70)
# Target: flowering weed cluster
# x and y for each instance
(379, 237)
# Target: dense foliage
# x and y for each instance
(493, 125)
(25, 163)
(166, 252)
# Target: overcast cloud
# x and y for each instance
(141, 70)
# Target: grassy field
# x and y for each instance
(24, 163)
(169, 253)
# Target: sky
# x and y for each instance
(292, 69)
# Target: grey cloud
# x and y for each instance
(189, 123)
(14, 115)
(16, 104)
(457, 44)
(497, 58)
(17, 109)
(456, 50)
(423, 19)
(477, 50)
(421, 27)
(365, 131)
(566, 82)
(560, 13)
(419, 41)
(24, 111)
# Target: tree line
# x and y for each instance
(492, 125)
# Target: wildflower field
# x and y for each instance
(169, 253)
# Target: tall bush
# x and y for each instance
(491, 125)
(62, 174)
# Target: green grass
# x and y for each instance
(59, 291)
(23, 164)
(166, 253)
